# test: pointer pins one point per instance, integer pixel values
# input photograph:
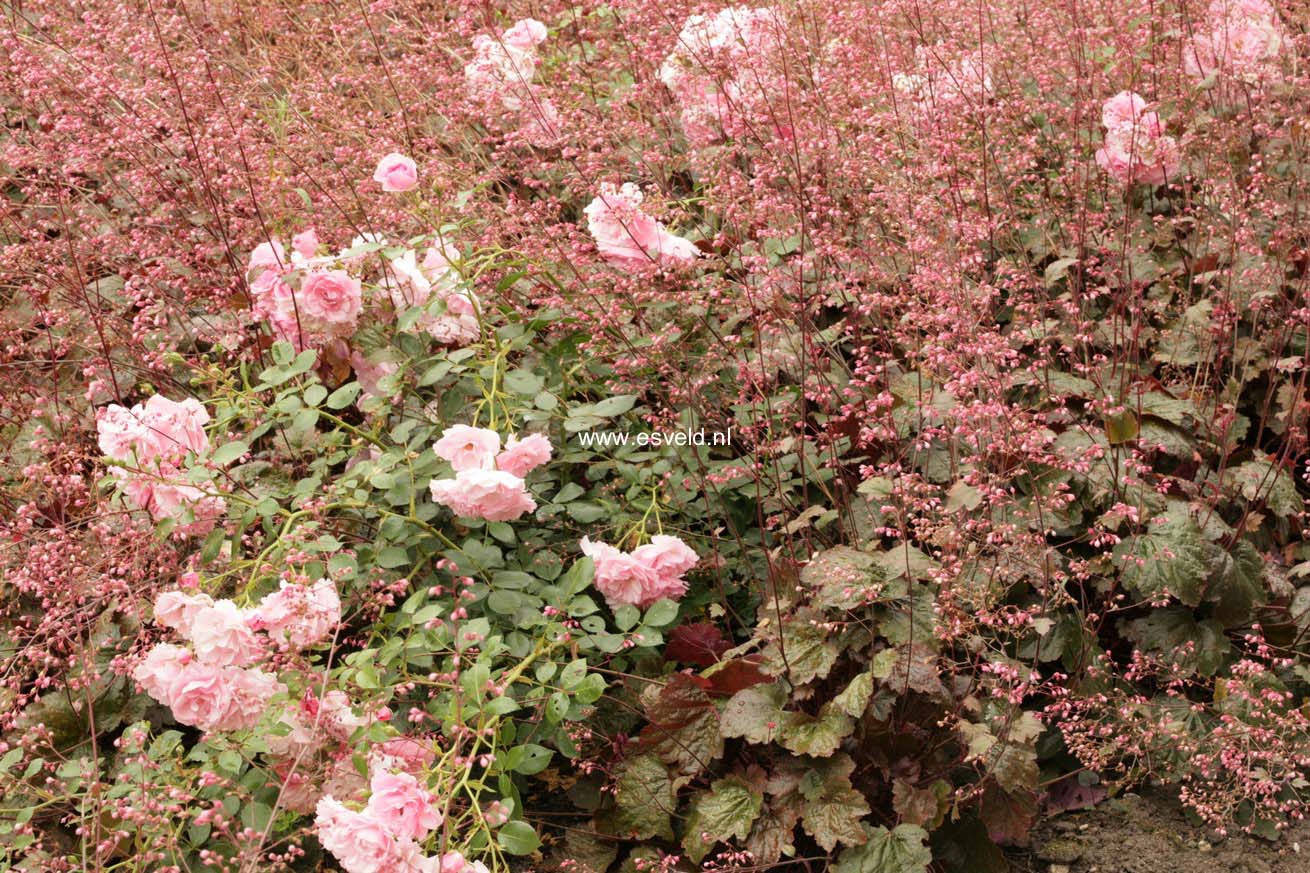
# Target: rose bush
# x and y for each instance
(314, 320)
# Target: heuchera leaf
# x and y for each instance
(806, 652)
(1170, 556)
(902, 850)
(832, 815)
(684, 724)
(643, 798)
(818, 737)
(754, 713)
(842, 578)
(1008, 817)
(726, 811)
(701, 644)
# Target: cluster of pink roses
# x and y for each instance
(644, 575)
(152, 439)
(721, 67)
(305, 297)
(1136, 147)
(211, 684)
(501, 72)
(1243, 39)
(626, 236)
(312, 298)
(488, 481)
(385, 834)
(410, 283)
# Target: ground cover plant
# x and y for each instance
(581, 436)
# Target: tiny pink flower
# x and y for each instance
(396, 172)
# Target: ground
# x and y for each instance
(1149, 833)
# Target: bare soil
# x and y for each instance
(1150, 833)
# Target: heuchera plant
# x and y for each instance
(329, 334)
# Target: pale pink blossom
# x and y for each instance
(299, 615)
(359, 842)
(329, 300)
(160, 669)
(468, 448)
(370, 374)
(305, 243)
(158, 428)
(267, 255)
(396, 172)
(492, 495)
(628, 237)
(177, 609)
(1242, 38)
(402, 805)
(1136, 148)
(643, 576)
(249, 693)
(525, 34)
(221, 635)
(521, 456)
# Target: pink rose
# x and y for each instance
(525, 34)
(300, 615)
(198, 695)
(396, 172)
(628, 237)
(332, 299)
(160, 670)
(305, 244)
(119, 431)
(493, 495)
(360, 843)
(620, 577)
(1244, 39)
(645, 575)
(177, 609)
(402, 805)
(268, 256)
(454, 862)
(221, 635)
(1136, 148)
(248, 696)
(520, 457)
(468, 448)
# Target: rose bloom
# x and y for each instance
(620, 577)
(222, 636)
(454, 862)
(628, 237)
(300, 615)
(249, 692)
(492, 495)
(396, 172)
(468, 448)
(220, 698)
(332, 299)
(305, 243)
(1244, 39)
(177, 609)
(1136, 148)
(360, 843)
(267, 255)
(520, 457)
(643, 576)
(160, 669)
(158, 428)
(402, 805)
